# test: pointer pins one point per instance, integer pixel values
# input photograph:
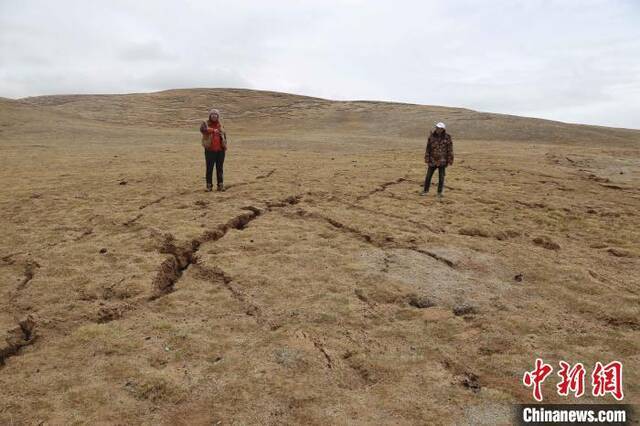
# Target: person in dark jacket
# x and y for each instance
(215, 146)
(438, 155)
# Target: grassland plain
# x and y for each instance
(319, 288)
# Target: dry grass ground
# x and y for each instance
(320, 288)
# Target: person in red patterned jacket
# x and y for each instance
(438, 155)
(215, 148)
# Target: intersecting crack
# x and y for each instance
(182, 256)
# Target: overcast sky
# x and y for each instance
(568, 60)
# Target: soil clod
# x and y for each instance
(420, 302)
(546, 242)
(18, 337)
(464, 309)
(472, 382)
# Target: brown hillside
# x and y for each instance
(245, 109)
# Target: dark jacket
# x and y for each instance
(439, 150)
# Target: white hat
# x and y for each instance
(214, 111)
(441, 125)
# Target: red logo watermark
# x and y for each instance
(605, 379)
(572, 379)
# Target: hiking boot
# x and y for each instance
(209, 187)
(439, 195)
(220, 187)
(424, 193)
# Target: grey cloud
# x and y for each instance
(183, 77)
(144, 51)
(98, 80)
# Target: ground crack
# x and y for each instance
(18, 337)
(381, 188)
(257, 178)
(29, 272)
(393, 216)
(132, 221)
(433, 255)
(215, 274)
(319, 347)
(150, 203)
(184, 255)
(324, 352)
(268, 174)
(381, 243)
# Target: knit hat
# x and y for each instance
(214, 111)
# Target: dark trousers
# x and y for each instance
(427, 180)
(214, 159)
